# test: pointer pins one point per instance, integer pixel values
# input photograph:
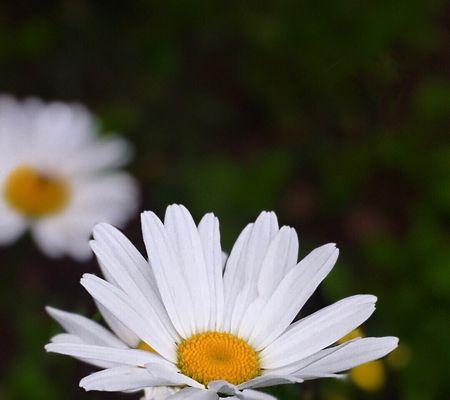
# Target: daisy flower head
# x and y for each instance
(209, 329)
(58, 178)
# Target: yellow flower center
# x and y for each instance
(35, 194)
(212, 356)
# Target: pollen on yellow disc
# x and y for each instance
(370, 376)
(35, 194)
(146, 347)
(212, 356)
(355, 333)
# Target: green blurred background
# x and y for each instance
(334, 114)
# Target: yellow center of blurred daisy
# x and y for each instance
(35, 194)
(369, 376)
(212, 356)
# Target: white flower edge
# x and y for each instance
(296, 351)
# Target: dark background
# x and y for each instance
(334, 114)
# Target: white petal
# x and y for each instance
(120, 248)
(122, 308)
(125, 267)
(97, 199)
(122, 332)
(172, 280)
(12, 225)
(226, 388)
(87, 330)
(119, 379)
(159, 392)
(172, 377)
(102, 154)
(269, 380)
(61, 129)
(346, 356)
(296, 366)
(131, 357)
(291, 294)
(49, 239)
(249, 394)
(264, 230)
(231, 284)
(185, 240)
(318, 331)
(222, 387)
(224, 259)
(209, 232)
(66, 338)
(281, 256)
(306, 377)
(243, 267)
(62, 234)
(251, 316)
(194, 394)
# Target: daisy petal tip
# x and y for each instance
(88, 276)
(97, 229)
(330, 249)
(183, 208)
(392, 341)
(49, 348)
(148, 217)
(269, 214)
(87, 384)
(296, 379)
(145, 214)
(209, 216)
(50, 310)
(368, 298)
(335, 253)
(262, 214)
(86, 279)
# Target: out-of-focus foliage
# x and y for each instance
(334, 114)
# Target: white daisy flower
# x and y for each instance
(57, 176)
(219, 331)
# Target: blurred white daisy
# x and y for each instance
(218, 331)
(57, 177)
